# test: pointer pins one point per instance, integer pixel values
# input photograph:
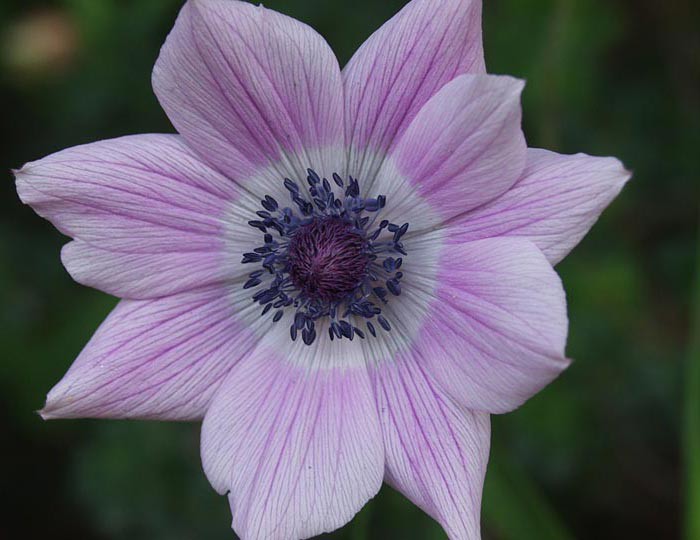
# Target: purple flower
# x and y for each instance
(342, 272)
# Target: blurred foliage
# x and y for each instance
(596, 455)
(692, 420)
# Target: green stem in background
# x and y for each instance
(514, 508)
(692, 416)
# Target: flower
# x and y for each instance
(342, 272)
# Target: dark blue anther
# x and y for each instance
(299, 320)
(269, 204)
(308, 335)
(384, 323)
(398, 234)
(258, 225)
(356, 258)
(394, 287)
(380, 292)
(291, 186)
(353, 189)
(336, 329)
(251, 257)
(346, 329)
(313, 178)
(371, 205)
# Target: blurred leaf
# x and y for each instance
(144, 481)
(692, 418)
(559, 46)
(394, 517)
(359, 528)
(514, 508)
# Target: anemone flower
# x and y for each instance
(342, 272)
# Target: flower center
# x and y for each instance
(326, 259)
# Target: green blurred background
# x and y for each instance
(601, 454)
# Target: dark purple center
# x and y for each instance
(327, 259)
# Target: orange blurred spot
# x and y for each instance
(41, 43)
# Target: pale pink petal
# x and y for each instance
(498, 327)
(400, 67)
(298, 449)
(150, 217)
(160, 359)
(249, 87)
(554, 204)
(436, 450)
(464, 148)
(143, 275)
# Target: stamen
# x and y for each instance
(326, 262)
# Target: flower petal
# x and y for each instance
(142, 275)
(464, 147)
(160, 359)
(497, 331)
(248, 87)
(554, 204)
(151, 218)
(298, 449)
(436, 451)
(400, 67)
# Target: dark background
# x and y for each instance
(598, 455)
